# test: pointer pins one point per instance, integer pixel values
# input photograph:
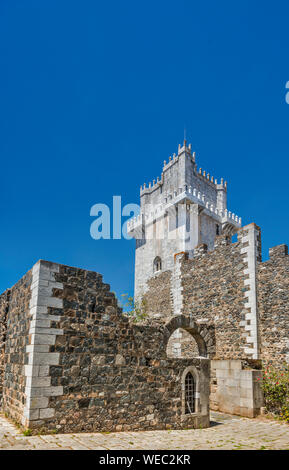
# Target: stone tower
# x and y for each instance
(179, 211)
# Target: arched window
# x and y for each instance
(190, 392)
(157, 264)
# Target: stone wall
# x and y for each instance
(219, 288)
(244, 301)
(4, 302)
(70, 360)
(235, 388)
(158, 301)
(230, 288)
(15, 347)
(211, 291)
(273, 302)
(79, 364)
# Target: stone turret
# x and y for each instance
(183, 208)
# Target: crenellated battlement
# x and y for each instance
(184, 195)
(200, 173)
(185, 207)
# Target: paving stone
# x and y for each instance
(226, 432)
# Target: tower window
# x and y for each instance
(190, 390)
(157, 264)
(217, 229)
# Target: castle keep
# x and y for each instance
(179, 211)
(186, 265)
(214, 315)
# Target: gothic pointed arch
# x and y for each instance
(157, 265)
(190, 381)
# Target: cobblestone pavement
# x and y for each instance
(226, 432)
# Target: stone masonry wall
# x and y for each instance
(237, 388)
(16, 339)
(115, 376)
(158, 301)
(273, 301)
(4, 303)
(246, 301)
(219, 289)
(75, 363)
(213, 293)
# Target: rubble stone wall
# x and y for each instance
(75, 363)
(14, 356)
(273, 306)
(213, 293)
(245, 303)
(158, 300)
(245, 300)
(4, 303)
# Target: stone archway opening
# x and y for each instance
(182, 344)
(196, 338)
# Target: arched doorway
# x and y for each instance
(203, 336)
(182, 344)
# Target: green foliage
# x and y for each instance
(54, 431)
(27, 432)
(136, 310)
(275, 386)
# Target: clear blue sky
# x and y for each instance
(94, 95)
